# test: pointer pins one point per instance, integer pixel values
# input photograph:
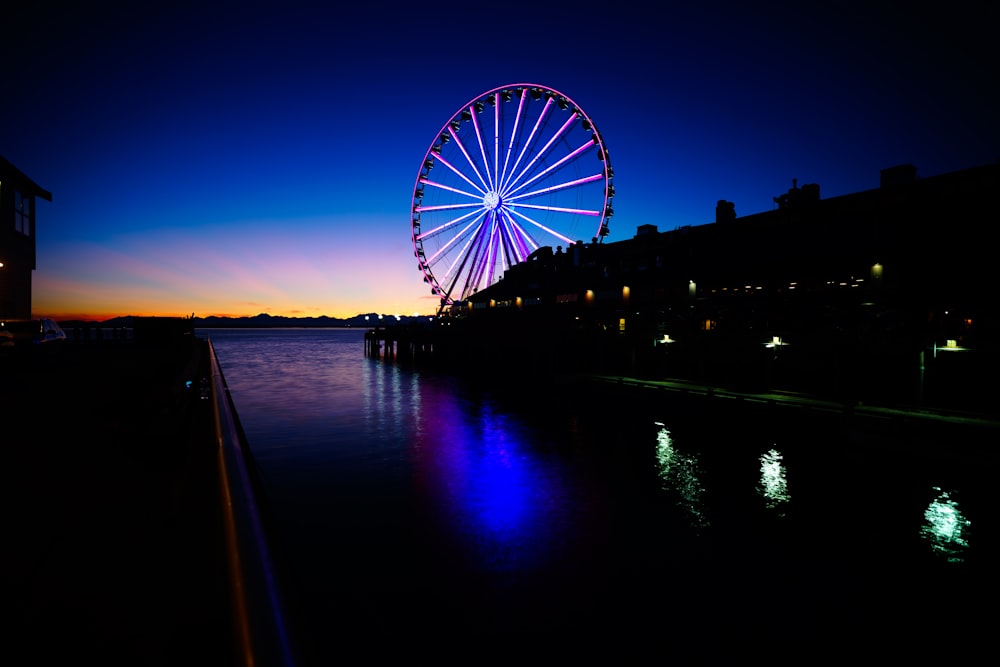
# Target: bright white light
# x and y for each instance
(773, 485)
(679, 473)
(944, 527)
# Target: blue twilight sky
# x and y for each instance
(243, 157)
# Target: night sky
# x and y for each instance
(239, 158)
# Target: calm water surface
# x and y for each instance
(420, 514)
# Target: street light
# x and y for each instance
(950, 345)
(775, 342)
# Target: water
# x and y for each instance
(423, 515)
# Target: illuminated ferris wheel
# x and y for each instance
(517, 168)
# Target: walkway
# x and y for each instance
(113, 546)
(791, 399)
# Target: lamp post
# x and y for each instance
(776, 343)
(950, 345)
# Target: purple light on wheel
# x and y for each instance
(516, 171)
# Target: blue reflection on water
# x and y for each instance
(500, 498)
(501, 503)
(326, 421)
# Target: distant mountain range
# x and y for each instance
(263, 321)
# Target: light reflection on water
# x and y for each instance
(773, 483)
(316, 409)
(390, 405)
(945, 527)
(498, 496)
(445, 506)
(680, 473)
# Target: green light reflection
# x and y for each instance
(773, 484)
(679, 472)
(944, 526)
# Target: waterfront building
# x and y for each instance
(17, 239)
(882, 295)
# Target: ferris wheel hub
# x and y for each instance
(492, 200)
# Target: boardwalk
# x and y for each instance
(803, 402)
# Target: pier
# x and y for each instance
(547, 354)
(410, 342)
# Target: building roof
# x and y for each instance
(9, 171)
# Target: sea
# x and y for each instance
(487, 516)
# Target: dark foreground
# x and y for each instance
(114, 529)
(113, 543)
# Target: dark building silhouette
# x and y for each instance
(888, 294)
(17, 239)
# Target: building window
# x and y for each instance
(23, 212)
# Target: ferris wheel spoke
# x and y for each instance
(554, 233)
(492, 249)
(556, 209)
(478, 258)
(505, 244)
(472, 164)
(447, 207)
(434, 184)
(458, 172)
(539, 155)
(457, 267)
(474, 274)
(482, 147)
(524, 239)
(496, 137)
(513, 135)
(539, 123)
(459, 259)
(552, 168)
(513, 243)
(453, 277)
(554, 188)
(451, 241)
(504, 253)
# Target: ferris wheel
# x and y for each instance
(517, 168)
